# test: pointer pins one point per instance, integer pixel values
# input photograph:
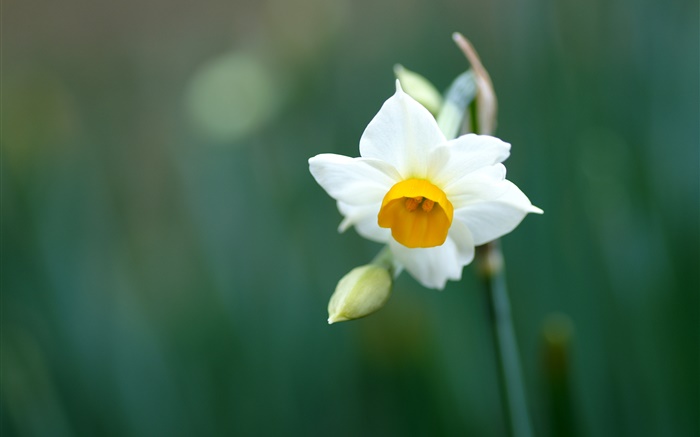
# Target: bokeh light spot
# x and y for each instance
(232, 96)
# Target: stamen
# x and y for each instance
(412, 203)
(427, 205)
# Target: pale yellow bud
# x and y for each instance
(359, 293)
(419, 88)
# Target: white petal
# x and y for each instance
(364, 218)
(402, 134)
(355, 181)
(433, 266)
(457, 158)
(493, 218)
(485, 183)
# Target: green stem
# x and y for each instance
(385, 259)
(491, 265)
(557, 333)
(509, 375)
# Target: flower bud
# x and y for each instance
(359, 293)
(419, 88)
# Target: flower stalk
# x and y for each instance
(512, 388)
(481, 119)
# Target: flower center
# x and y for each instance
(417, 212)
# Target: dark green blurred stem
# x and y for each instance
(491, 269)
(473, 120)
(557, 333)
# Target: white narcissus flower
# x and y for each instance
(431, 200)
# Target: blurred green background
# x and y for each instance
(167, 258)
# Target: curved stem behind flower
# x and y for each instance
(385, 259)
(482, 120)
(491, 268)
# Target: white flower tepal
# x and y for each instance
(431, 200)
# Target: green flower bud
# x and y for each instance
(419, 88)
(359, 293)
